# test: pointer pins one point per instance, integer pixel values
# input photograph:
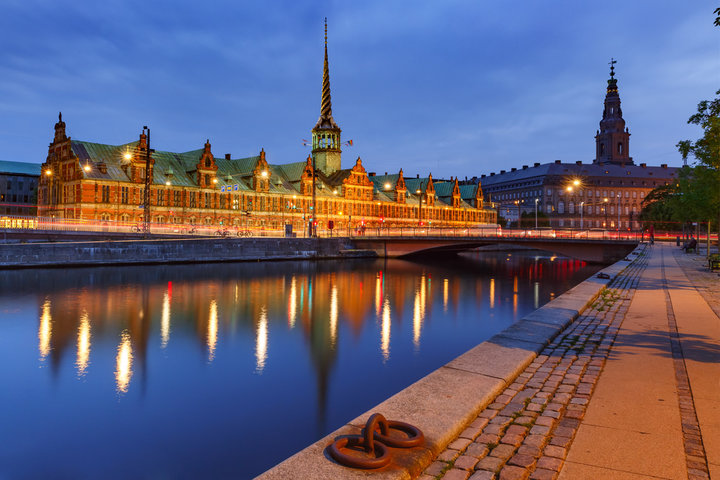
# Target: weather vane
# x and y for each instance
(612, 67)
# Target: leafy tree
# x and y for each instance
(700, 185)
(660, 207)
(527, 219)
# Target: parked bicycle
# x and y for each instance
(244, 233)
(222, 233)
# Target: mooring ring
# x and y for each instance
(415, 436)
(382, 455)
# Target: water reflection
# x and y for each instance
(123, 363)
(242, 347)
(83, 345)
(45, 330)
(323, 301)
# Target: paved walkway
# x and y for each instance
(630, 390)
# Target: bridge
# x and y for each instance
(600, 250)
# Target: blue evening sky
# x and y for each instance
(452, 87)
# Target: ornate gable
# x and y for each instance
(261, 175)
(357, 185)
(306, 178)
(456, 195)
(479, 201)
(206, 169)
(430, 192)
(400, 188)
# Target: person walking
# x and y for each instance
(651, 234)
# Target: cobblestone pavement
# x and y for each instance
(526, 432)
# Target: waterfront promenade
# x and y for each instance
(629, 390)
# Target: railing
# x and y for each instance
(14, 223)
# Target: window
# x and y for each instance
(634, 194)
(602, 149)
(236, 202)
(571, 207)
(642, 194)
(105, 191)
(124, 195)
(161, 198)
(207, 199)
(207, 162)
(549, 192)
(176, 198)
(620, 148)
(561, 207)
(192, 199)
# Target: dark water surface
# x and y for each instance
(223, 370)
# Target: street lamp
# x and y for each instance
(581, 214)
(618, 208)
(537, 200)
(146, 197)
(420, 198)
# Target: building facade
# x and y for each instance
(18, 188)
(98, 182)
(606, 193)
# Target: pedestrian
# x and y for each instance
(652, 235)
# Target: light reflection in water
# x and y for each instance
(292, 302)
(492, 293)
(45, 330)
(419, 313)
(123, 363)
(212, 331)
(378, 293)
(83, 345)
(515, 296)
(445, 295)
(261, 342)
(333, 314)
(165, 320)
(536, 295)
(385, 332)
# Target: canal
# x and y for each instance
(224, 370)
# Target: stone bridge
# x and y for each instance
(589, 250)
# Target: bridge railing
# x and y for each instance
(17, 223)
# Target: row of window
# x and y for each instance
(18, 185)
(14, 198)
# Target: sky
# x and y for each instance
(452, 87)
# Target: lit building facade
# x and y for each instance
(92, 181)
(606, 193)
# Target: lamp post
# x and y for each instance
(313, 231)
(146, 195)
(618, 208)
(581, 214)
(537, 200)
(420, 198)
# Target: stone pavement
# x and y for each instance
(630, 390)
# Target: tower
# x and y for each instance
(612, 141)
(326, 133)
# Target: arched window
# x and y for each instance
(207, 162)
(571, 207)
(602, 149)
(620, 148)
(561, 207)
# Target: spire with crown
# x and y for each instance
(613, 138)
(326, 133)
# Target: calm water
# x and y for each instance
(221, 371)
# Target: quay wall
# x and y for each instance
(131, 252)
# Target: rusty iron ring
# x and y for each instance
(415, 436)
(375, 447)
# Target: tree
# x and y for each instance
(527, 220)
(660, 207)
(700, 185)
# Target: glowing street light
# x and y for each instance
(537, 200)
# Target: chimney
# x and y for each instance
(536, 164)
(579, 162)
(525, 167)
(502, 172)
(643, 165)
(371, 174)
(418, 176)
(558, 162)
(492, 174)
(386, 173)
(227, 156)
(663, 165)
(513, 169)
(482, 176)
